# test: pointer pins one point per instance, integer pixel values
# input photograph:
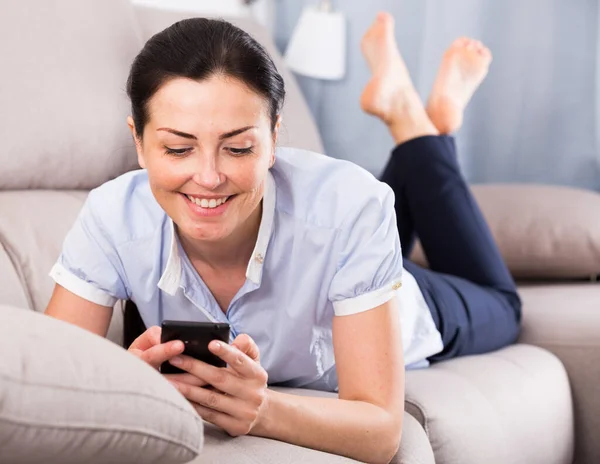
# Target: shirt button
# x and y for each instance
(397, 285)
(259, 258)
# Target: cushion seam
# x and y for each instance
(137, 431)
(12, 256)
(97, 391)
(420, 408)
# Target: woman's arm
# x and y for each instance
(366, 422)
(69, 307)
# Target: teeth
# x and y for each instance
(204, 203)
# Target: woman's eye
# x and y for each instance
(240, 151)
(176, 151)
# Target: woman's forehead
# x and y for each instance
(214, 97)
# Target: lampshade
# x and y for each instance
(318, 45)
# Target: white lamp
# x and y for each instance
(318, 45)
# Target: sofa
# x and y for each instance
(70, 396)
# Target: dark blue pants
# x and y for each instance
(469, 290)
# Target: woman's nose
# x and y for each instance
(207, 173)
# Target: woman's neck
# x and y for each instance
(232, 251)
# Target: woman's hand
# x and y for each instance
(148, 347)
(239, 398)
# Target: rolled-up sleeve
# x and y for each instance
(369, 270)
(89, 265)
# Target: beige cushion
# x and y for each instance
(64, 107)
(565, 320)
(68, 396)
(542, 231)
(33, 240)
(30, 244)
(298, 128)
(512, 406)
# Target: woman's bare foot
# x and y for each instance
(390, 94)
(464, 66)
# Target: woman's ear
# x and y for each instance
(276, 130)
(275, 137)
(138, 143)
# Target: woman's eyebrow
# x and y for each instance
(226, 135)
(176, 132)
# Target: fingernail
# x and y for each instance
(174, 384)
(176, 361)
(217, 346)
(178, 346)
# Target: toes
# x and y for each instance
(461, 42)
(472, 45)
(384, 17)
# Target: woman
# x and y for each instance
(298, 252)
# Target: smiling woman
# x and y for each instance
(298, 253)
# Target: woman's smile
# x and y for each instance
(207, 206)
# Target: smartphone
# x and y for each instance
(195, 336)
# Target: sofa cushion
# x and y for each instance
(64, 108)
(298, 128)
(11, 290)
(509, 406)
(30, 243)
(542, 231)
(33, 226)
(69, 396)
(565, 319)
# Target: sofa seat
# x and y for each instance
(510, 406)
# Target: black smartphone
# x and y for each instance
(195, 336)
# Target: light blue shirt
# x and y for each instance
(327, 245)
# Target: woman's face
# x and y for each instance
(207, 147)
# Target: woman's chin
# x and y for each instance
(207, 233)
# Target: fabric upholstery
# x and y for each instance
(33, 240)
(298, 128)
(11, 290)
(69, 396)
(64, 107)
(31, 243)
(512, 406)
(565, 319)
(542, 231)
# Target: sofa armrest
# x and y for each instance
(565, 320)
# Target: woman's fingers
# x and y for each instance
(158, 354)
(240, 362)
(228, 423)
(245, 344)
(186, 378)
(211, 398)
(150, 338)
(221, 378)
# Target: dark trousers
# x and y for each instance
(470, 292)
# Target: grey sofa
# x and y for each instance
(63, 132)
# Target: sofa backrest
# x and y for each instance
(62, 92)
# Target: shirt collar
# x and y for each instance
(171, 277)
